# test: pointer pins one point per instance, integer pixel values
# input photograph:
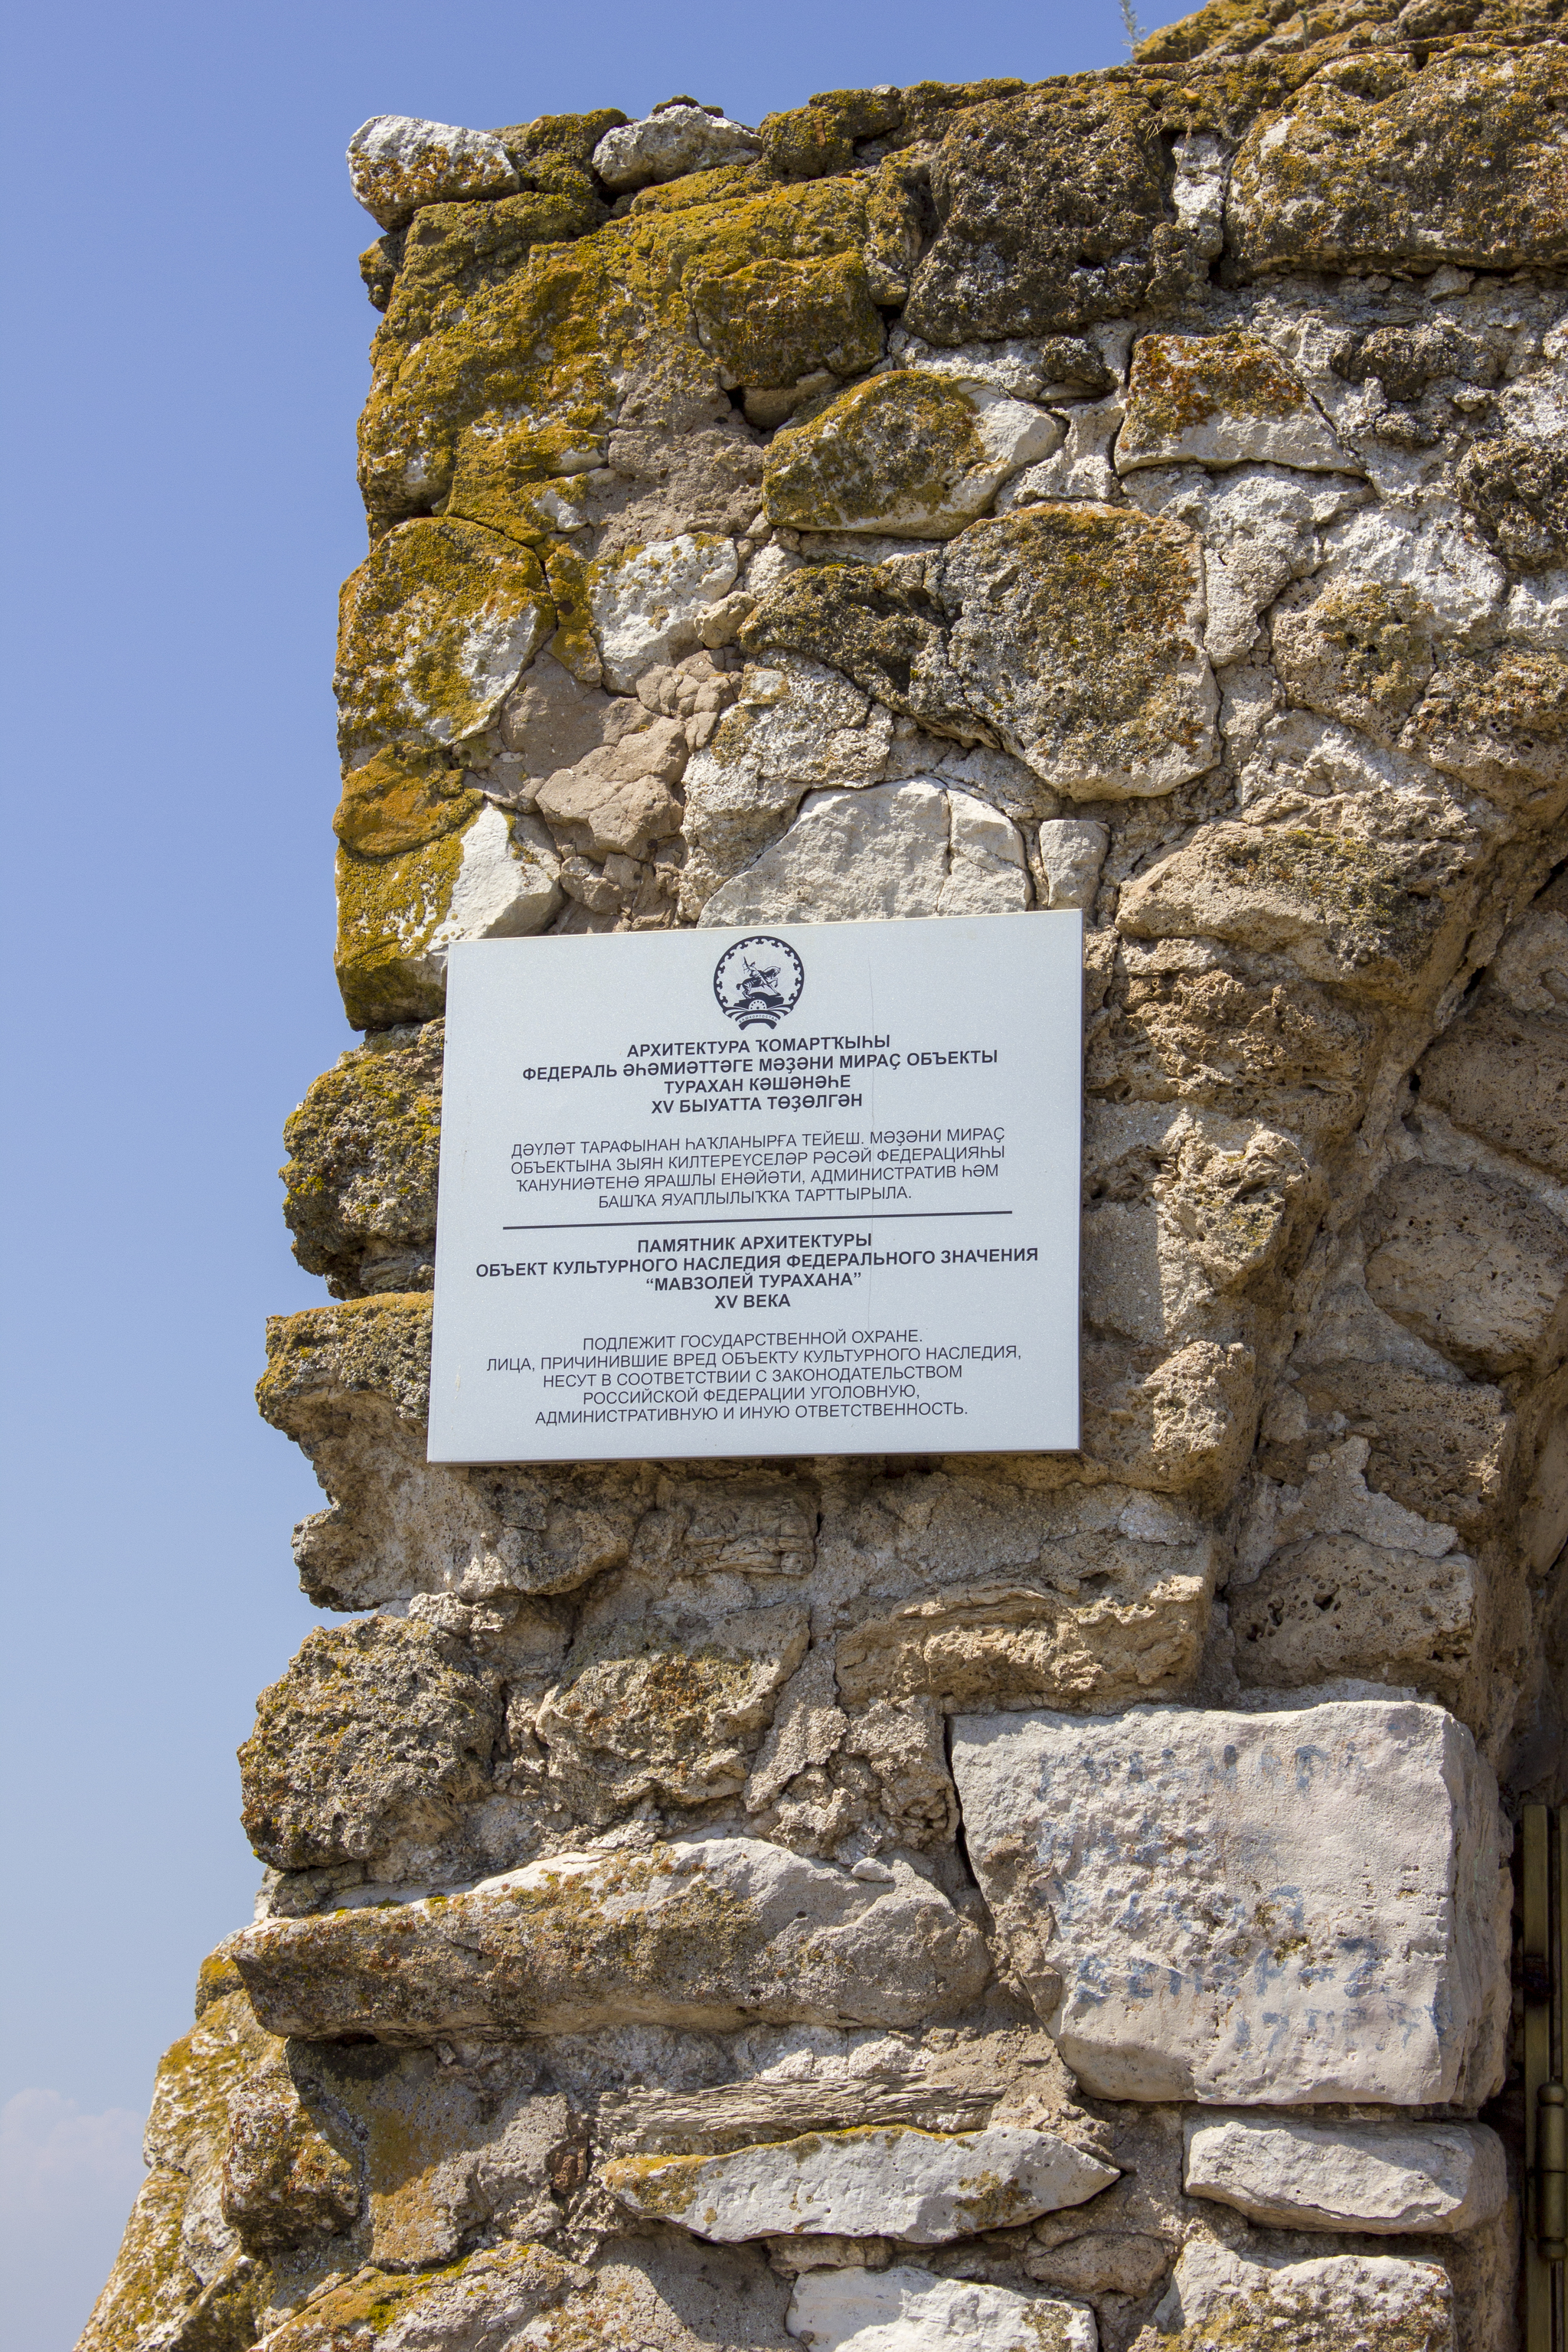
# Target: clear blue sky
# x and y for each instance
(185, 339)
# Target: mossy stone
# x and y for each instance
(1383, 163)
(365, 1149)
(389, 910)
(894, 448)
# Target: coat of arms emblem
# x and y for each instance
(758, 981)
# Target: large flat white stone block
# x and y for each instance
(1282, 1907)
(1377, 2178)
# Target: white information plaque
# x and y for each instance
(804, 1190)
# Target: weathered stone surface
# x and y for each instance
(887, 851)
(617, 799)
(181, 2276)
(1345, 907)
(1504, 1075)
(795, 728)
(378, 1731)
(1079, 636)
(1222, 400)
(1369, 2300)
(1357, 652)
(1325, 1922)
(922, 2187)
(647, 605)
(1375, 2178)
(913, 455)
(499, 878)
(1055, 209)
(398, 162)
(1473, 1262)
(483, 2303)
(1139, 1629)
(359, 1185)
(1501, 726)
(707, 1934)
(1072, 854)
(907, 2310)
(1336, 1605)
(283, 2178)
(435, 628)
(643, 1711)
(1459, 159)
(672, 140)
(1517, 493)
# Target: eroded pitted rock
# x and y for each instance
(1388, 161)
(708, 1934)
(361, 1180)
(377, 1734)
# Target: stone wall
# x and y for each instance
(917, 1901)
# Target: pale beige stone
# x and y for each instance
(924, 2188)
(1292, 1906)
(1377, 2178)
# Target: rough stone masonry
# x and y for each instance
(919, 1902)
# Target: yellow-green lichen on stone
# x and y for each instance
(435, 629)
(365, 1147)
(1387, 162)
(889, 453)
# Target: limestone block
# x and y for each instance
(351, 1385)
(709, 1934)
(1531, 968)
(910, 454)
(1369, 2300)
(1292, 1907)
(1375, 2178)
(644, 1712)
(1222, 400)
(882, 624)
(1517, 492)
(1339, 903)
(484, 2302)
(1190, 1018)
(1503, 1076)
(380, 1729)
(1472, 1263)
(359, 1185)
(1356, 651)
(1080, 468)
(1499, 724)
(1047, 367)
(1139, 1628)
(1459, 159)
(398, 162)
(796, 324)
(1335, 1605)
(1260, 526)
(1440, 1445)
(796, 727)
(1055, 209)
(1078, 635)
(807, 1728)
(1427, 551)
(672, 140)
(283, 2178)
(888, 852)
(907, 2310)
(647, 605)
(1072, 853)
(608, 815)
(923, 2187)
(499, 878)
(435, 628)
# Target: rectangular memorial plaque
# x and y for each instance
(811, 1190)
